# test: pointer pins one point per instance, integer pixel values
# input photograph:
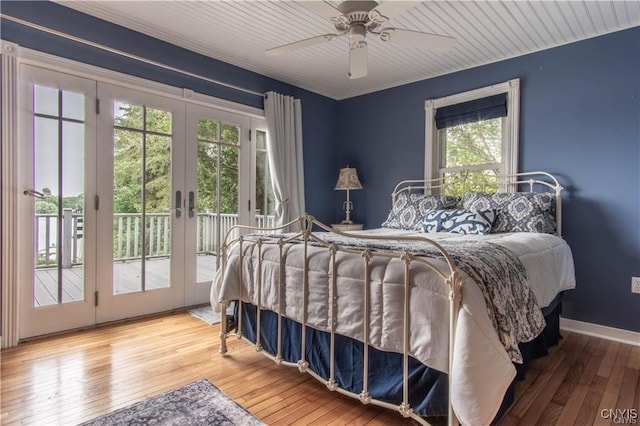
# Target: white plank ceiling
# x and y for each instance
(238, 32)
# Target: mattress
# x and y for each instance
(482, 368)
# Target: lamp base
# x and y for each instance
(347, 222)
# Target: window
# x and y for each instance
(265, 200)
(475, 132)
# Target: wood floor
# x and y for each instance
(70, 378)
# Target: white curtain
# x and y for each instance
(284, 149)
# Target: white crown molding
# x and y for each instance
(601, 331)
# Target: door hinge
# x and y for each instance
(249, 204)
(250, 134)
(96, 299)
(96, 202)
(97, 106)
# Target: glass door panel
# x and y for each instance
(265, 199)
(58, 156)
(207, 200)
(141, 219)
(217, 191)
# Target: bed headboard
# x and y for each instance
(460, 183)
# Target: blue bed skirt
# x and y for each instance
(427, 386)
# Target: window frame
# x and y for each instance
(261, 126)
(510, 127)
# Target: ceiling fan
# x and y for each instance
(356, 18)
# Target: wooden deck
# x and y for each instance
(126, 277)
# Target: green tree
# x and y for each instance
(45, 207)
(139, 128)
(472, 144)
(208, 152)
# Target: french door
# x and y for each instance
(127, 197)
(218, 145)
(141, 162)
(57, 221)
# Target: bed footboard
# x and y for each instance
(306, 236)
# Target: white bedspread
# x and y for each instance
(482, 370)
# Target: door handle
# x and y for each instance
(192, 205)
(34, 193)
(178, 204)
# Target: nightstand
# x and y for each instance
(342, 227)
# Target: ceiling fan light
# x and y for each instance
(357, 60)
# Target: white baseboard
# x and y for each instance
(601, 331)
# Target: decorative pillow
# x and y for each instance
(516, 212)
(409, 209)
(459, 221)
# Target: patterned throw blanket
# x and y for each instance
(500, 275)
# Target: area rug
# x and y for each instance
(206, 314)
(199, 403)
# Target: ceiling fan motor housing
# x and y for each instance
(355, 14)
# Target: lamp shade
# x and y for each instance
(348, 179)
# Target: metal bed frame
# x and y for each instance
(306, 235)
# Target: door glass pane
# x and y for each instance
(207, 199)
(265, 200)
(229, 163)
(73, 105)
(217, 193)
(58, 156)
(45, 101)
(157, 210)
(142, 219)
(127, 211)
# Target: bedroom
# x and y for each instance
(579, 119)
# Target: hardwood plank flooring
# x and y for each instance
(70, 378)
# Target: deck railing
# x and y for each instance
(127, 235)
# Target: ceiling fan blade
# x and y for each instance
(435, 42)
(388, 9)
(300, 44)
(358, 60)
(322, 8)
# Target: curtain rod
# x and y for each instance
(127, 55)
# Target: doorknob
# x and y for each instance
(192, 205)
(34, 193)
(178, 204)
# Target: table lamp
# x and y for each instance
(348, 180)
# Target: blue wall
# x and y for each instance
(319, 112)
(580, 119)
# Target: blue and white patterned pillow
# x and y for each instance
(516, 212)
(459, 221)
(409, 209)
